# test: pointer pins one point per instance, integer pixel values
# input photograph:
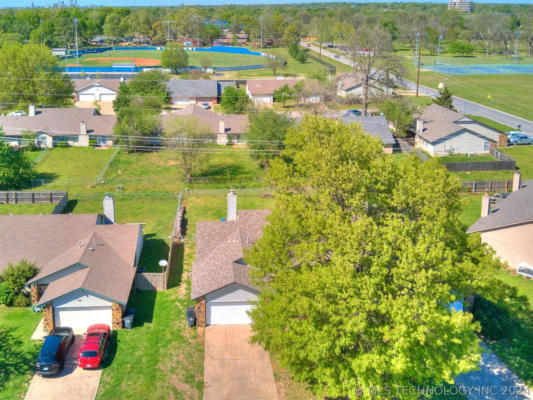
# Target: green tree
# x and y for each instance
(174, 57)
(445, 99)
(133, 129)
(113, 27)
(283, 94)
(16, 276)
(274, 63)
(301, 57)
(28, 74)
(358, 265)
(206, 62)
(400, 113)
(16, 169)
(460, 47)
(266, 132)
(234, 101)
(189, 136)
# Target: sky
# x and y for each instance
(45, 3)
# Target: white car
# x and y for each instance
(205, 106)
(18, 113)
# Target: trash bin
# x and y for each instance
(128, 318)
(191, 317)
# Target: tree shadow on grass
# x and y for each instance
(42, 178)
(16, 358)
(143, 303)
(225, 170)
(69, 208)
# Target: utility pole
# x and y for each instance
(438, 53)
(41, 31)
(517, 33)
(76, 33)
(168, 30)
(197, 30)
(416, 47)
(261, 21)
(419, 48)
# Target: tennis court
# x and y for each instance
(482, 69)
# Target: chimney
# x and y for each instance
(485, 205)
(232, 206)
(83, 128)
(221, 126)
(31, 110)
(419, 126)
(109, 209)
(517, 181)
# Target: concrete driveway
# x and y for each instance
(234, 368)
(72, 383)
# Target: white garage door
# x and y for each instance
(108, 97)
(234, 313)
(87, 97)
(80, 318)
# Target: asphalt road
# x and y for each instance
(461, 105)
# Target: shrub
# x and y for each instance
(7, 294)
(21, 300)
(16, 276)
(301, 56)
(62, 144)
(495, 321)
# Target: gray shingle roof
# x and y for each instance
(376, 126)
(516, 208)
(192, 88)
(80, 84)
(439, 122)
(219, 251)
(233, 123)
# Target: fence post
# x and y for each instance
(474, 187)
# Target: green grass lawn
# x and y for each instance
(69, 168)
(217, 59)
(490, 123)
(471, 208)
(524, 159)
(18, 209)
(459, 158)
(17, 351)
(516, 351)
(483, 175)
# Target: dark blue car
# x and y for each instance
(51, 358)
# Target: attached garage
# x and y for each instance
(88, 97)
(79, 310)
(96, 92)
(230, 305)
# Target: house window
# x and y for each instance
(486, 146)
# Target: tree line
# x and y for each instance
(491, 27)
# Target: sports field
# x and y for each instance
(507, 92)
(152, 58)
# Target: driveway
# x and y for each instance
(72, 383)
(494, 381)
(234, 368)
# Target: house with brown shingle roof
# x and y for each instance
(51, 126)
(86, 263)
(261, 91)
(440, 131)
(228, 127)
(506, 223)
(352, 85)
(220, 281)
(91, 90)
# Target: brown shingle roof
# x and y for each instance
(516, 208)
(55, 242)
(233, 123)
(348, 81)
(60, 122)
(268, 86)
(219, 251)
(80, 84)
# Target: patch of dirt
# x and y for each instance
(172, 162)
(141, 62)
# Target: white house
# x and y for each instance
(91, 90)
(352, 85)
(440, 131)
(220, 283)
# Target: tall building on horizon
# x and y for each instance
(461, 5)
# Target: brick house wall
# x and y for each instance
(199, 309)
(48, 317)
(116, 315)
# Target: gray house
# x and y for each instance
(440, 131)
(186, 92)
(376, 126)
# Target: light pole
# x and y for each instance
(516, 34)
(261, 21)
(76, 33)
(197, 17)
(416, 47)
(419, 48)
(168, 30)
(438, 53)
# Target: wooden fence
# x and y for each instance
(486, 186)
(504, 162)
(39, 197)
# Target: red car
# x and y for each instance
(93, 349)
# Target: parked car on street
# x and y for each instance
(51, 358)
(205, 106)
(18, 113)
(93, 348)
(516, 137)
